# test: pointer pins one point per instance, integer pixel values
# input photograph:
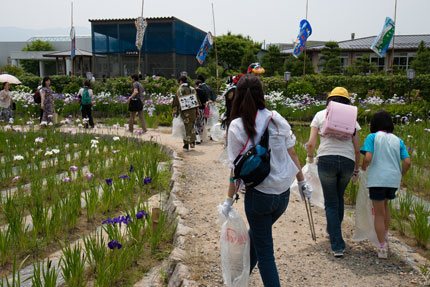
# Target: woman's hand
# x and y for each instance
(42, 106)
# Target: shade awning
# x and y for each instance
(78, 53)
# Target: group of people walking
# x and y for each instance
(338, 160)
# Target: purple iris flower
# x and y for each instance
(410, 149)
(147, 180)
(108, 181)
(124, 176)
(108, 221)
(131, 168)
(141, 214)
(114, 244)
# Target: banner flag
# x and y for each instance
(141, 25)
(305, 32)
(73, 39)
(382, 42)
(204, 48)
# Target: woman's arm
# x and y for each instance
(296, 161)
(312, 142)
(42, 96)
(356, 143)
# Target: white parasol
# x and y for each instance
(9, 78)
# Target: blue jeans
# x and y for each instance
(262, 210)
(334, 172)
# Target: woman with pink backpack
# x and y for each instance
(338, 158)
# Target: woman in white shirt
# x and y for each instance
(338, 160)
(266, 202)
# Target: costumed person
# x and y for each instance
(267, 201)
(338, 161)
(383, 153)
(201, 119)
(6, 102)
(135, 104)
(188, 110)
(256, 69)
(47, 101)
(85, 94)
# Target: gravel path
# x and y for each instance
(300, 261)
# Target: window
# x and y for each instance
(379, 62)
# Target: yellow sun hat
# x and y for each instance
(339, 92)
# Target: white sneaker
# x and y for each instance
(383, 251)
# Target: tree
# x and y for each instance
(361, 66)
(273, 61)
(331, 63)
(231, 49)
(421, 64)
(31, 66)
(295, 65)
(247, 59)
(12, 70)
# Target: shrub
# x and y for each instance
(301, 88)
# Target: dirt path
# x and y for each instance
(300, 261)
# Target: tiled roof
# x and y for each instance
(404, 42)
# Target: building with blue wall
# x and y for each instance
(169, 47)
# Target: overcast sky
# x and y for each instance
(271, 20)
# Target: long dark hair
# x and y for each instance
(381, 121)
(44, 81)
(248, 100)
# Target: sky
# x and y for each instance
(272, 21)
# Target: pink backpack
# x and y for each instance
(340, 121)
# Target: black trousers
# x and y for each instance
(41, 116)
(87, 113)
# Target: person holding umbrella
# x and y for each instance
(6, 112)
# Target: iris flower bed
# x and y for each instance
(50, 198)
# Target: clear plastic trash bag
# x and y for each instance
(310, 172)
(217, 133)
(364, 216)
(178, 128)
(234, 245)
(223, 158)
(213, 115)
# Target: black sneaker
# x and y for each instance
(186, 147)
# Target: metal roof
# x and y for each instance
(78, 52)
(131, 19)
(55, 38)
(401, 42)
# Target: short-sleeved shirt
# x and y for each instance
(139, 87)
(333, 146)
(282, 168)
(4, 99)
(387, 152)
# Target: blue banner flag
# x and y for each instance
(305, 32)
(204, 48)
(382, 42)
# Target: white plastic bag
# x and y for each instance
(235, 246)
(310, 172)
(223, 158)
(217, 133)
(213, 115)
(364, 217)
(178, 128)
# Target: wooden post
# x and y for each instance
(155, 218)
(392, 50)
(56, 65)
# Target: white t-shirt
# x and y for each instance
(282, 168)
(90, 91)
(332, 146)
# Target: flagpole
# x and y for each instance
(304, 53)
(216, 52)
(392, 55)
(71, 52)
(140, 49)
